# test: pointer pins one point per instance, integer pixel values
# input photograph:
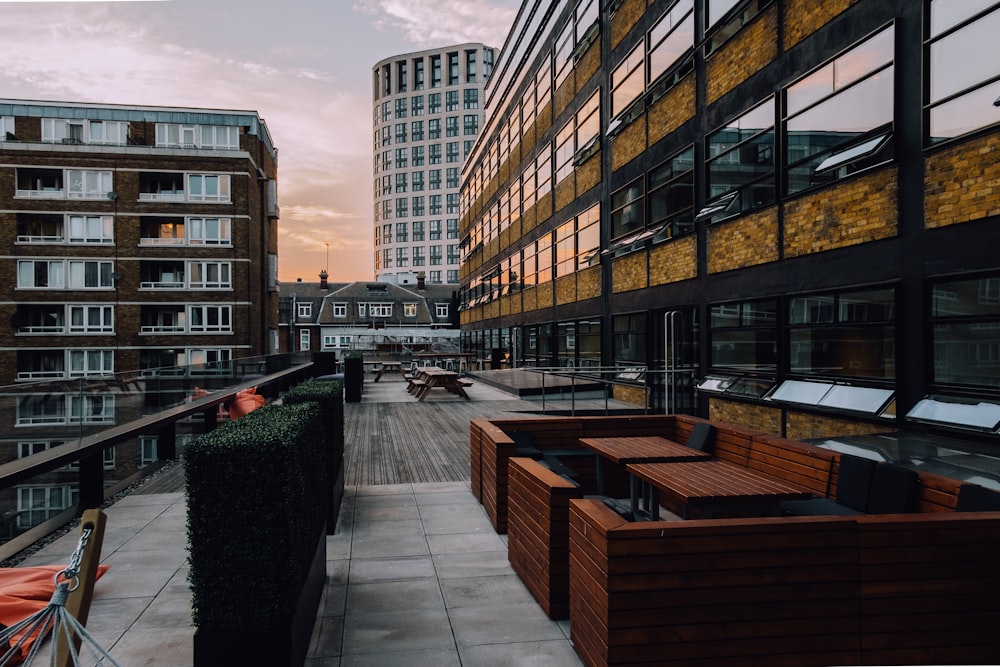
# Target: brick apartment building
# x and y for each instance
(793, 206)
(135, 238)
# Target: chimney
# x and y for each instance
(323, 275)
(420, 280)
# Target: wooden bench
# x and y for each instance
(800, 463)
(793, 591)
(538, 532)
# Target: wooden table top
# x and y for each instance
(713, 479)
(648, 448)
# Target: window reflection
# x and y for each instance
(741, 164)
(966, 331)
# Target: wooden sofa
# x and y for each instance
(795, 591)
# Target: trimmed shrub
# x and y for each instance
(253, 487)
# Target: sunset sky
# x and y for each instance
(303, 65)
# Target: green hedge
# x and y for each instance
(253, 488)
(330, 396)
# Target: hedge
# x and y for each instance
(253, 487)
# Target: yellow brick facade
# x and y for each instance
(747, 241)
(962, 183)
(804, 17)
(751, 49)
(857, 211)
(748, 415)
(629, 272)
(672, 110)
(673, 261)
(628, 15)
(628, 144)
(801, 425)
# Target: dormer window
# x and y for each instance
(304, 310)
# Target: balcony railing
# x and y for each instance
(55, 436)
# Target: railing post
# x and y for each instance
(91, 481)
(166, 442)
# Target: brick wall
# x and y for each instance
(633, 395)
(566, 289)
(857, 211)
(962, 183)
(748, 52)
(672, 110)
(588, 65)
(565, 192)
(628, 15)
(746, 241)
(588, 174)
(804, 17)
(674, 261)
(629, 272)
(588, 283)
(800, 425)
(628, 143)
(747, 415)
(546, 295)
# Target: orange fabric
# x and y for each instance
(245, 402)
(27, 590)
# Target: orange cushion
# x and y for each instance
(245, 402)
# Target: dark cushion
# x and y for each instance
(854, 481)
(702, 437)
(975, 498)
(894, 490)
(524, 443)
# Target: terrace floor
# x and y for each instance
(415, 573)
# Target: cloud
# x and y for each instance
(431, 23)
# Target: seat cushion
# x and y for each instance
(854, 481)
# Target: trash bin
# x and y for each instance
(354, 378)
(496, 359)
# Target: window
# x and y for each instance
(452, 206)
(965, 317)
(417, 130)
(36, 504)
(409, 310)
(451, 176)
(209, 275)
(401, 79)
(435, 154)
(470, 124)
(435, 225)
(435, 207)
(209, 231)
(441, 310)
(304, 340)
(418, 76)
(434, 104)
(340, 310)
(627, 80)
(436, 72)
(401, 232)
(451, 100)
(470, 98)
(962, 83)
(81, 184)
(451, 126)
(435, 255)
(401, 157)
(628, 338)
(671, 38)
(304, 310)
(379, 309)
(216, 319)
(434, 177)
(671, 195)
(467, 148)
(209, 361)
(843, 334)
(627, 209)
(400, 133)
(839, 117)
(89, 274)
(452, 69)
(419, 258)
(91, 229)
(470, 66)
(741, 163)
(91, 319)
(452, 275)
(451, 152)
(174, 135)
(91, 363)
(588, 236)
(401, 108)
(220, 137)
(744, 336)
(208, 187)
(418, 206)
(402, 208)
(565, 149)
(402, 256)
(6, 127)
(434, 277)
(434, 128)
(401, 182)
(454, 255)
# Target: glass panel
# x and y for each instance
(967, 353)
(976, 415)
(858, 351)
(957, 60)
(946, 14)
(965, 114)
(745, 349)
(858, 399)
(966, 297)
(796, 391)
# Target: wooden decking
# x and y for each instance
(391, 438)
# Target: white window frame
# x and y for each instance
(219, 137)
(6, 125)
(88, 184)
(380, 309)
(197, 188)
(208, 231)
(176, 135)
(409, 310)
(340, 310)
(303, 310)
(213, 361)
(214, 318)
(105, 316)
(91, 409)
(363, 307)
(441, 310)
(223, 279)
(76, 274)
(90, 363)
(57, 498)
(304, 340)
(26, 274)
(89, 228)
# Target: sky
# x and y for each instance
(303, 65)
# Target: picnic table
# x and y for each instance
(622, 450)
(396, 366)
(432, 377)
(713, 489)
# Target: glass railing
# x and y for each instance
(71, 443)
